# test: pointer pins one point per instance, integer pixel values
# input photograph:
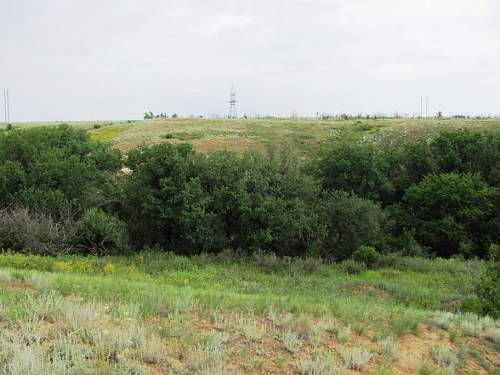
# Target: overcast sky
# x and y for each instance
(115, 59)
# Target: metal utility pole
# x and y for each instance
(232, 104)
(426, 107)
(5, 105)
(8, 107)
(421, 106)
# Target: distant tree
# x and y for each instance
(439, 114)
(174, 115)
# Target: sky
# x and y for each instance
(115, 59)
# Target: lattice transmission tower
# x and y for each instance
(233, 113)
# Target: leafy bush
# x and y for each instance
(351, 222)
(466, 152)
(383, 174)
(166, 203)
(354, 168)
(367, 255)
(451, 213)
(99, 233)
(51, 168)
(180, 199)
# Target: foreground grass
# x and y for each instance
(160, 313)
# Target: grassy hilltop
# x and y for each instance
(302, 135)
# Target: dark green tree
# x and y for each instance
(356, 168)
(351, 222)
(452, 213)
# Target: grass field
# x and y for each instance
(165, 314)
(302, 135)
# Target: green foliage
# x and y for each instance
(52, 168)
(367, 255)
(459, 151)
(467, 152)
(452, 213)
(351, 222)
(166, 204)
(99, 233)
(193, 203)
(356, 168)
(437, 196)
(494, 252)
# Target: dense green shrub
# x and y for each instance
(165, 202)
(407, 163)
(351, 222)
(384, 173)
(355, 168)
(51, 168)
(367, 255)
(452, 213)
(180, 199)
(99, 233)
(265, 202)
(466, 152)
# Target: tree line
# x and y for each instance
(60, 192)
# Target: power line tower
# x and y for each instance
(233, 113)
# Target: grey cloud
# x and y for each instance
(67, 59)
